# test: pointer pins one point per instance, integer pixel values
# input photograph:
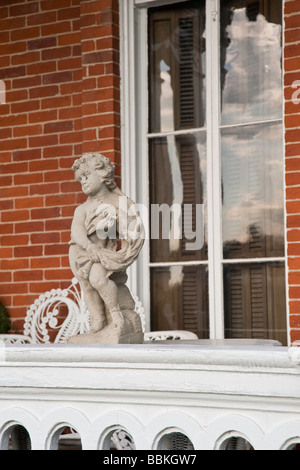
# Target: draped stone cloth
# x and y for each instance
(123, 231)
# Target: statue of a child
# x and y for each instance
(106, 238)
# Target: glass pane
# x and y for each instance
(177, 66)
(180, 299)
(252, 191)
(178, 198)
(251, 60)
(255, 301)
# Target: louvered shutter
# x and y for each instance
(254, 301)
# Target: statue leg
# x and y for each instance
(108, 291)
(95, 306)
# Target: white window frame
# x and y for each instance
(134, 141)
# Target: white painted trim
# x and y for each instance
(287, 290)
(128, 112)
(216, 306)
(156, 3)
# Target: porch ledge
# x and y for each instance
(208, 391)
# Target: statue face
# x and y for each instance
(91, 181)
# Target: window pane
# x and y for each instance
(255, 301)
(177, 66)
(252, 191)
(250, 60)
(178, 198)
(180, 299)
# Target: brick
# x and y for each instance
(51, 188)
(57, 102)
(56, 249)
(41, 287)
(45, 238)
(28, 130)
(27, 82)
(25, 33)
(58, 274)
(25, 106)
(56, 53)
(57, 151)
(56, 28)
(6, 229)
(43, 263)
(26, 9)
(43, 116)
(43, 91)
(60, 200)
(45, 213)
(59, 225)
(7, 24)
(5, 277)
(14, 240)
(60, 126)
(13, 192)
(52, 4)
(28, 227)
(70, 38)
(43, 165)
(14, 264)
(29, 275)
(44, 140)
(25, 300)
(22, 155)
(6, 252)
(25, 58)
(70, 137)
(26, 203)
(42, 18)
(12, 72)
(41, 43)
(69, 13)
(14, 288)
(41, 68)
(57, 77)
(6, 205)
(62, 175)
(28, 251)
(15, 215)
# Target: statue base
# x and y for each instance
(129, 333)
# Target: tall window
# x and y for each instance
(215, 150)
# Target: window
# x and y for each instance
(209, 75)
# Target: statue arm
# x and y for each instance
(78, 230)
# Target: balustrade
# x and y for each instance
(157, 396)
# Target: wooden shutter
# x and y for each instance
(254, 301)
(176, 38)
(182, 305)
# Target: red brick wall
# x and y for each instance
(59, 62)
(292, 154)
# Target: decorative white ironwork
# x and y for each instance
(42, 316)
(170, 335)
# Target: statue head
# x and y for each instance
(91, 163)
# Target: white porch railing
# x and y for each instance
(165, 396)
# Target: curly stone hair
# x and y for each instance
(99, 162)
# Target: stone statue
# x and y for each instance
(106, 238)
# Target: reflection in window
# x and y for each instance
(250, 60)
(252, 191)
(177, 71)
(255, 300)
(178, 188)
(180, 300)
